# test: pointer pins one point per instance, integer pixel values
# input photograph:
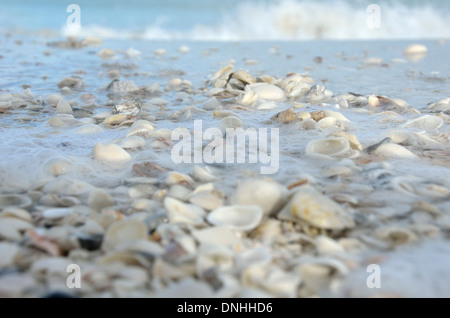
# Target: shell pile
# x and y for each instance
(139, 225)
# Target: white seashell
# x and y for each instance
(217, 235)
(99, 199)
(179, 192)
(326, 245)
(327, 122)
(132, 142)
(416, 49)
(238, 217)
(115, 120)
(55, 214)
(225, 71)
(232, 122)
(214, 257)
(428, 123)
(296, 89)
(265, 193)
(123, 231)
(174, 177)
(318, 93)
(329, 148)
(66, 186)
(337, 115)
(53, 99)
(266, 105)
(130, 52)
(89, 129)
(373, 101)
(432, 190)
(12, 228)
(211, 104)
(390, 150)
(442, 105)
(111, 153)
(208, 200)
(202, 174)
(141, 247)
(402, 137)
(268, 92)
(15, 200)
(354, 142)
(107, 54)
(308, 205)
(63, 107)
(308, 124)
(179, 212)
(395, 235)
(184, 49)
(120, 87)
(13, 212)
(318, 273)
(249, 98)
(8, 251)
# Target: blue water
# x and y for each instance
(232, 19)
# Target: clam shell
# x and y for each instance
(265, 193)
(238, 217)
(179, 212)
(428, 123)
(330, 148)
(268, 92)
(308, 205)
(123, 231)
(390, 150)
(112, 154)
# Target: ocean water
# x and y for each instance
(234, 19)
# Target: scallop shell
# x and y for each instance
(308, 205)
(330, 148)
(238, 217)
(123, 231)
(265, 193)
(429, 123)
(179, 212)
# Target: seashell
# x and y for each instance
(179, 192)
(123, 231)
(89, 129)
(72, 83)
(244, 77)
(432, 190)
(317, 94)
(129, 108)
(224, 72)
(186, 288)
(53, 99)
(202, 174)
(354, 142)
(55, 214)
(99, 199)
(402, 137)
(13, 212)
(115, 120)
(15, 200)
(308, 124)
(179, 212)
(130, 52)
(285, 116)
(296, 89)
(308, 205)
(184, 49)
(429, 123)
(373, 101)
(66, 186)
(8, 251)
(144, 247)
(238, 217)
(395, 235)
(127, 259)
(12, 228)
(268, 92)
(63, 107)
(121, 87)
(327, 122)
(174, 177)
(208, 200)
(440, 106)
(214, 258)
(248, 98)
(330, 148)
(390, 150)
(132, 142)
(231, 122)
(160, 52)
(272, 279)
(416, 52)
(265, 193)
(217, 235)
(111, 154)
(318, 273)
(106, 54)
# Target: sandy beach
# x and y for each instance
(256, 169)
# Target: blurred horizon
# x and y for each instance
(231, 20)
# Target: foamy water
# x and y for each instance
(236, 20)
